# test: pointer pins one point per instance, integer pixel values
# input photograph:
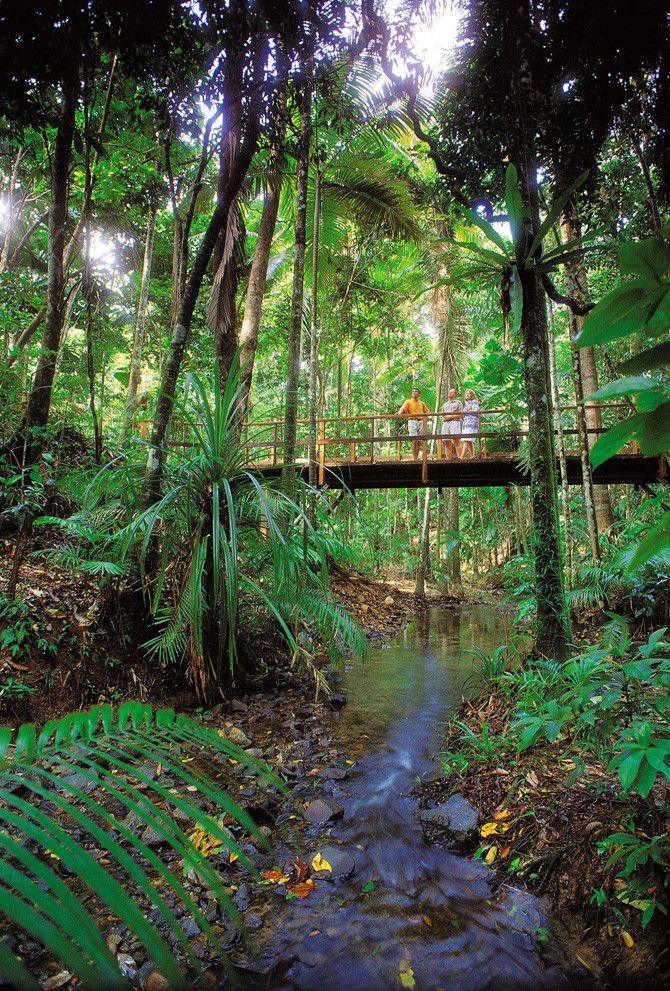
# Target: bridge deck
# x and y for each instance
(498, 469)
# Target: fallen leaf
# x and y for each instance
(315, 932)
(491, 855)
(275, 877)
(532, 779)
(489, 828)
(428, 920)
(319, 864)
(406, 974)
(368, 887)
(627, 938)
(300, 870)
(302, 890)
(503, 814)
(232, 858)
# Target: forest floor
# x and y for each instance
(542, 833)
(78, 646)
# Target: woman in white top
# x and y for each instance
(452, 411)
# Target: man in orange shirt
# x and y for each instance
(415, 409)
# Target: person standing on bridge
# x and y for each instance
(470, 423)
(416, 410)
(452, 414)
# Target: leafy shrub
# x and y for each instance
(21, 632)
(108, 749)
(219, 531)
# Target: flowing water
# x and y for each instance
(431, 916)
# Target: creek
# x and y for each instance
(408, 913)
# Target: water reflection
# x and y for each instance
(348, 936)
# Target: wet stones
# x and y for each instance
(342, 864)
(454, 823)
(322, 810)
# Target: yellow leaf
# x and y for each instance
(406, 974)
(627, 938)
(349, 762)
(319, 864)
(491, 855)
(232, 858)
(503, 814)
(428, 920)
(489, 828)
(279, 759)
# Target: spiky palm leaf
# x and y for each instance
(48, 781)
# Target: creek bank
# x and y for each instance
(538, 831)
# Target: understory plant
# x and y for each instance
(218, 531)
(607, 705)
(93, 783)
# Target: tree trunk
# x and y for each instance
(218, 219)
(553, 625)
(313, 332)
(423, 563)
(135, 376)
(560, 446)
(298, 292)
(253, 306)
(28, 441)
(587, 476)
(576, 284)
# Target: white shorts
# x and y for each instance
(451, 428)
(415, 428)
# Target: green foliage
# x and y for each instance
(21, 632)
(639, 306)
(75, 765)
(217, 533)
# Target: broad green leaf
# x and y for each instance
(489, 230)
(622, 312)
(644, 781)
(615, 438)
(656, 541)
(646, 361)
(629, 767)
(555, 211)
(649, 258)
(653, 434)
(629, 386)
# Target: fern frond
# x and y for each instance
(80, 764)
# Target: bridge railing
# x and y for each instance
(383, 437)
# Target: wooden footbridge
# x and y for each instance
(375, 452)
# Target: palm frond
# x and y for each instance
(81, 766)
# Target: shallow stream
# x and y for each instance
(429, 916)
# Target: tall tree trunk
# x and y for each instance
(90, 364)
(135, 376)
(423, 563)
(27, 442)
(587, 475)
(218, 219)
(253, 305)
(576, 283)
(553, 633)
(560, 446)
(222, 314)
(313, 331)
(298, 292)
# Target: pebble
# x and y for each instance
(321, 810)
(252, 921)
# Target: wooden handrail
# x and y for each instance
(367, 417)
